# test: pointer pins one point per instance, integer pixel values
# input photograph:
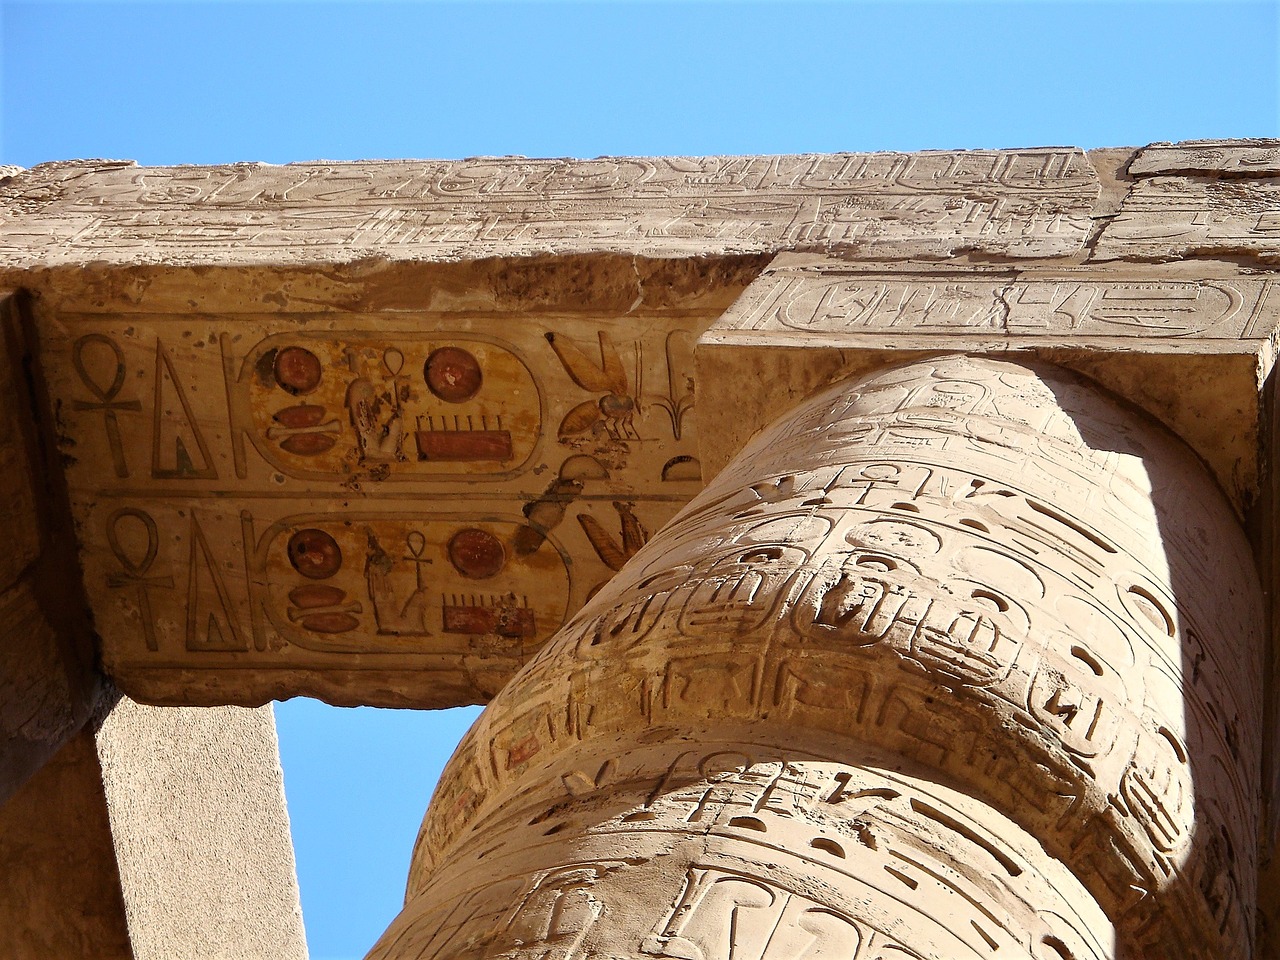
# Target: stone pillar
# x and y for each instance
(200, 832)
(61, 895)
(154, 833)
(961, 660)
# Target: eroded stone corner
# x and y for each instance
(1205, 200)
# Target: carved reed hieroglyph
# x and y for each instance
(961, 660)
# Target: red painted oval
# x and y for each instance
(302, 415)
(308, 444)
(330, 622)
(297, 370)
(313, 595)
(453, 374)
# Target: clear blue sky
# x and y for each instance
(218, 82)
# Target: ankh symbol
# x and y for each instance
(106, 401)
(135, 571)
(416, 543)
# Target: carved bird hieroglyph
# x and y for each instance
(616, 410)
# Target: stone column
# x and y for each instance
(960, 660)
(154, 833)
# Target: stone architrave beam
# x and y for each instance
(1201, 199)
(1016, 203)
(1194, 347)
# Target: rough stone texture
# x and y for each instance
(1207, 198)
(1019, 203)
(61, 894)
(1014, 586)
(195, 797)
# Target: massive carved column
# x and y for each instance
(962, 660)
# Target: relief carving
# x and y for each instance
(268, 499)
(977, 566)
(414, 408)
(746, 849)
(1024, 203)
(815, 300)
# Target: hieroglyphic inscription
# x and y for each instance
(745, 849)
(1186, 349)
(988, 568)
(1250, 158)
(831, 302)
(366, 582)
(1198, 199)
(398, 406)
(1026, 203)
(1170, 217)
(105, 396)
(258, 493)
(134, 567)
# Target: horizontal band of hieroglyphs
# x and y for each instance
(606, 177)
(897, 223)
(1172, 217)
(1206, 308)
(1222, 156)
(1025, 204)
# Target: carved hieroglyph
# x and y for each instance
(961, 660)
(1199, 198)
(715, 847)
(382, 509)
(1189, 346)
(810, 299)
(1015, 203)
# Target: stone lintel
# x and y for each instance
(581, 283)
(465, 472)
(203, 453)
(577, 288)
(1260, 158)
(1007, 203)
(1206, 199)
(1193, 348)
